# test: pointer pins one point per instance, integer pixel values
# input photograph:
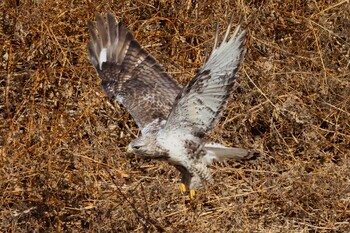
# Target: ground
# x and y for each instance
(63, 166)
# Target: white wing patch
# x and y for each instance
(120, 98)
(102, 57)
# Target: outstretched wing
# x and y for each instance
(199, 105)
(129, 74)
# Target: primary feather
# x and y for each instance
(129, 74)
(198, 107)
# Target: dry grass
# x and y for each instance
(62, 162)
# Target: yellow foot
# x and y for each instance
(192, 193)
(183, 190)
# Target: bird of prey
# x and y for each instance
(173, 120)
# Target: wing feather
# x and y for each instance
(198, 107)
(129, 74)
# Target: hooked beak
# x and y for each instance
(129, 150)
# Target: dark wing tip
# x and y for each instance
(92, 31)
(110, 15)
(93, 54)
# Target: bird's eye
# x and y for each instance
(136, 147)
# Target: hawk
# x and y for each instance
(173, 120)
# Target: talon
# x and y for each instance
(192, 193)
(183, 188)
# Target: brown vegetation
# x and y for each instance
(62, 161)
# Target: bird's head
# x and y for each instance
(141, 146)
(138, 146)
(146, 147)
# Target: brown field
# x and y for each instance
(62, 141)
